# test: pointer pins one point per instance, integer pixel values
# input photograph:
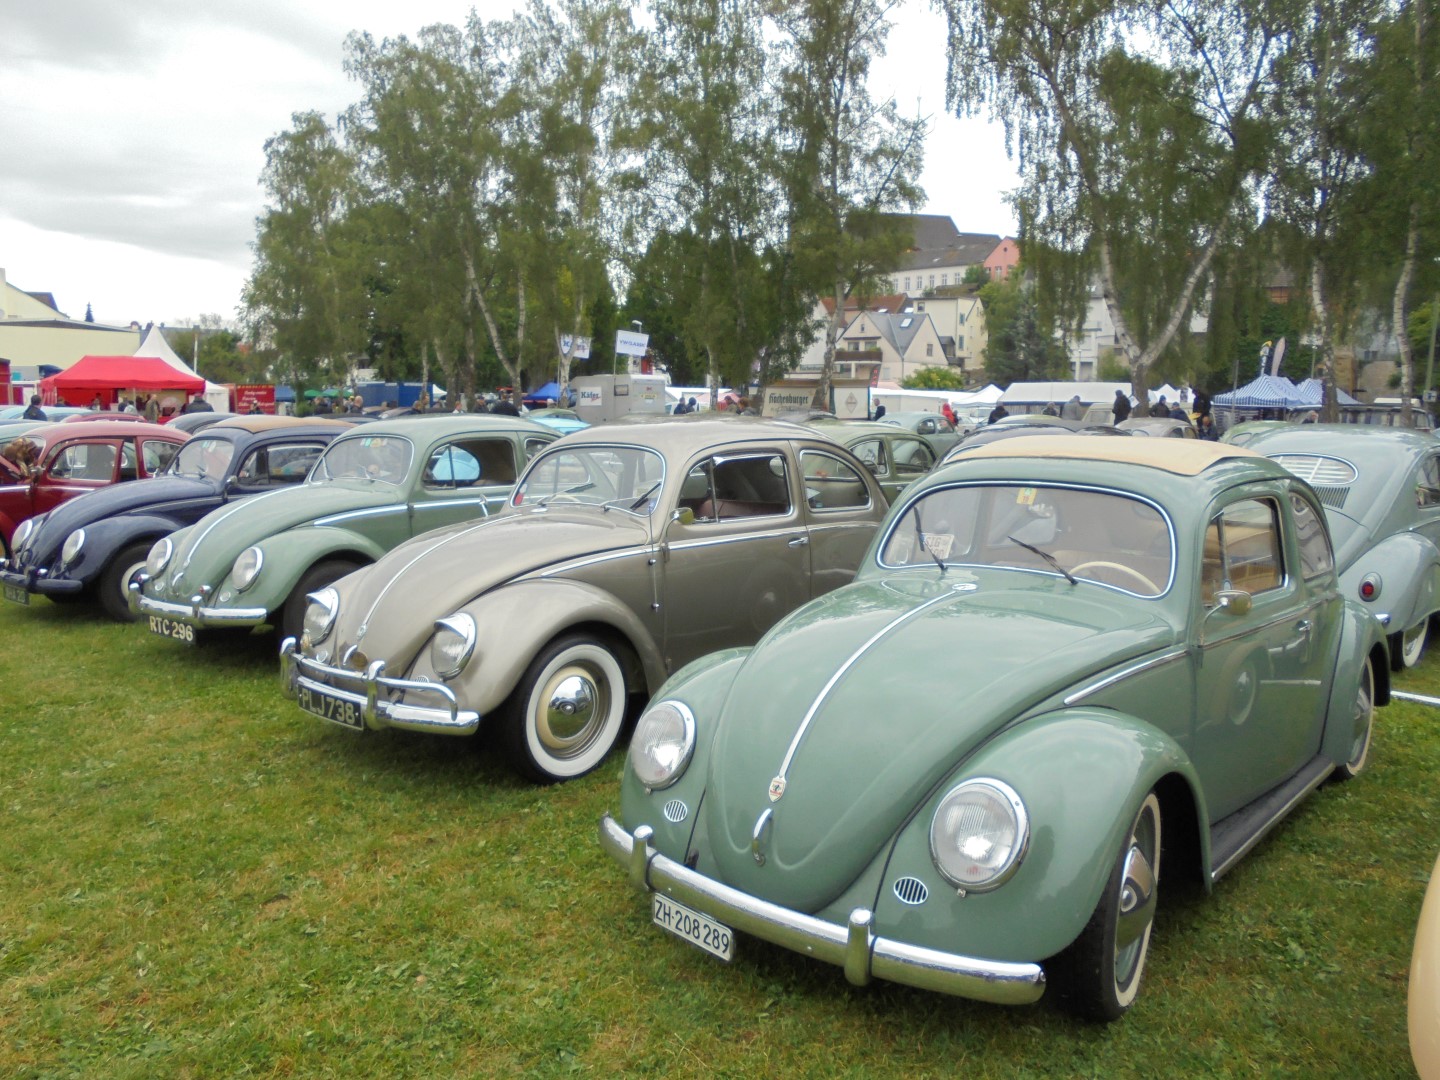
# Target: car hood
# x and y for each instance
(119, 499)
(899, 678)
(390, 608)
(208, 548)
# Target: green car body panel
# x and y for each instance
(349, 519)
(822, 753)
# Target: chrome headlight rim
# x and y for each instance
(1006, 797)
(321, 609)
(644, 740)
(70, 550)
(22, 534)
(448, 665)
(246, 569)
(159, 556)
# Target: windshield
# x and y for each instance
(206, 458)
(1098, 536)
(624, 478)
(382, 459)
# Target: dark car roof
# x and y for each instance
(261, 424)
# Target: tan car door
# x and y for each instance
(843, 512)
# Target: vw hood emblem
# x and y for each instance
(777, 788)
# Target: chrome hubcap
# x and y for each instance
(572, 704)
(1412, 643)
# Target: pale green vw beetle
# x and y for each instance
(253, 562)
(630, 550)
(1068, 670)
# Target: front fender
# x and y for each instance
(105, 538)
(1361, 637)
(517, 620)
(1082, 775)
(1409, 569)
(288, 555)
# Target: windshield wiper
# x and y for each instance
(543, 499)
(1047, 557)
(920, 535)
(641, 501)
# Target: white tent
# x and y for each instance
(155, 345)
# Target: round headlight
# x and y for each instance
(663, 743)
(71, 548)
(320, 615)
(159, 556)
(452, 645)
(22, 533)
(247, 568)
(979, 835)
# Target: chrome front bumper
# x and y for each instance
(35, 580)
(363, 688)
(854, 947)
(194, 611)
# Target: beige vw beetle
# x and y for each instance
(627, 551)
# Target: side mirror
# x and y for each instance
(684, 515)
(1234, 601)
(230, 482)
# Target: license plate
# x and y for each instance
(329, 707)
(173, 629)
(691, 926)
(16, 594)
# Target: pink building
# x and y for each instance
(1000, 262)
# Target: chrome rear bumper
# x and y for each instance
(854, 947)
(363, 689)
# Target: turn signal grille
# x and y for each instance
(912, 891)
(676, 811)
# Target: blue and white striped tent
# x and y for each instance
(1264, 392)
(1313, 391)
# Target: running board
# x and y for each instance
(1232, 837)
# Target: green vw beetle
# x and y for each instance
(1069, 669)
(253, 562)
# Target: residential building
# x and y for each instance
(33, 332)
(940, 255)
(1001, 262)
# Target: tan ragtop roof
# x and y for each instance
(1184, 457)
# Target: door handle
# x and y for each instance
(1302, 627)
(799, 541)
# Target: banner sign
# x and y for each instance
(582, 347)
(631, 344)
(589, 396)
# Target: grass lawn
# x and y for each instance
(200, 881)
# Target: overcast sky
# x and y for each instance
(133, 136)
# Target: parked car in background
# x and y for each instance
(1424, 993)
(1381, 490)
(196, 421)
(52, 412)
(893, 455)
(629, 550)
(1061, 659)
(375, 486)
(1020, 427)
(90, 547)
(932, 427)
(76, 458)
(565, 421)
(1159, 427)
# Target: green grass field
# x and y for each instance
(200, 881)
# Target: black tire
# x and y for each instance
(292, 614)
(1364, 727)
(114, 597)
(566, 713)
(1408, 646)
(1098, 976)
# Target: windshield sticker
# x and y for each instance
(1025, 497)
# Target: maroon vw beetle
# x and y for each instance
(73, 458)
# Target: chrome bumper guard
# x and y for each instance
(854, 947)
(194, 612)
(362, 689)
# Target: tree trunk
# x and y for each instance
(1329, 410)
(472, 286)
(1397, 316)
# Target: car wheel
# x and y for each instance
(1098, 976)
(1408, 646)
(292, 615)
(114, 594)
(1363, 717)
(566, 713)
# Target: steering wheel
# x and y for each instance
(1104, 564)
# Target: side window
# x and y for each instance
(726, 488)
(1242, 550)
(253, 470)
(157, 454)
(84, 461)
(1427, 490)
(831, 484)
(871, 453)
(926, 427)
(291, 464)
(469, 463)
(1315, 555)
(912, 457)
(534, 446)
(128, 469)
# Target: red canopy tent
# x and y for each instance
(104, 375)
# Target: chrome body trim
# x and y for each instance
(195, 612)
(363, 690)
(1110, 680)
(855, 946)
(351, 515)
(737, 538)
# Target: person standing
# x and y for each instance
(505, 407)
(152, 408)
(34, 412)
(197, 403)
(999, 412)
(1073, 409)
(1121, 408)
